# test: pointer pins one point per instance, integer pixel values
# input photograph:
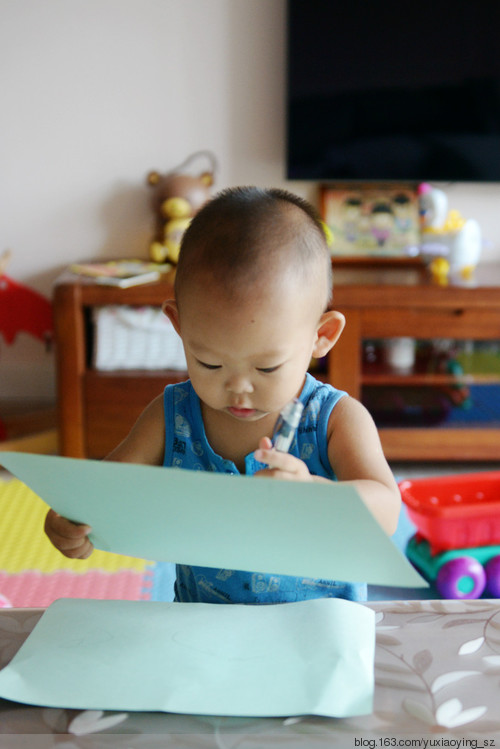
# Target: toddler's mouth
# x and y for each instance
(241, 413)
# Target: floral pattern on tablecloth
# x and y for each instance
(448, 678)
(437, 674)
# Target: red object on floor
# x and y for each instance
(455, 512)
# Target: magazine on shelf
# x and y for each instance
(121, 273)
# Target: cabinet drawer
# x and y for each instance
(480, 324)
(429, 445)
(113, 403)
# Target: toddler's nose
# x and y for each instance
(239, 384)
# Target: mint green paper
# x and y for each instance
(313, 657)
(219, 520)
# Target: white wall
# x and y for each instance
(95, 93)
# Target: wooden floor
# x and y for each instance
(29, 427)
(417, 470)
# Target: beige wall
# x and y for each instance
(95, 93)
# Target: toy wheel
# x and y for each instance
(493, 576)
(463, 577)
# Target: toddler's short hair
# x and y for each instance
(238, 234)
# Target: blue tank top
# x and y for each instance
(186, 446)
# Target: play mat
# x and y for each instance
(33, 573)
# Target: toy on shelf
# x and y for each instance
(176, 199)
(450, 243)
(457, 544)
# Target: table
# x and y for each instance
(437, 675)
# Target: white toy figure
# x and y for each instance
(447, 234)
(433, 206)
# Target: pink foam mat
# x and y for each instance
(34, 589)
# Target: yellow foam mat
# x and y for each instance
(24, 545)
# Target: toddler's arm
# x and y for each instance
(356, 457)
(144, 444)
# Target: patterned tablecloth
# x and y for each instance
(437, 676)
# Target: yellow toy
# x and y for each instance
(439, 268)
(177, 197)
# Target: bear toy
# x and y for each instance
(177, 197)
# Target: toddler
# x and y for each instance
(252, 306)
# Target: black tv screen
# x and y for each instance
(393, 91)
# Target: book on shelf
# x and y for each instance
(121, 273)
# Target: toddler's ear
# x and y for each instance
(330, 326)
(170, 309)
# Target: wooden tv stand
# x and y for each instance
(96, 409)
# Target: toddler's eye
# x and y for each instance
(268, 370)
(208, 366)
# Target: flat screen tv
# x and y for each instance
(393, 91)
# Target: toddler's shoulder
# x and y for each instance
(320, 393)
(351, 415)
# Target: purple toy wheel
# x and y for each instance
(493, 576)
(463, 577)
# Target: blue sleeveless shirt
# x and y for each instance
(186, 446)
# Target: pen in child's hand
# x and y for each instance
(286, 425)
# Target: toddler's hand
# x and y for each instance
(69, 538)
(280, 465)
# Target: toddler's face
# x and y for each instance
(248, 358)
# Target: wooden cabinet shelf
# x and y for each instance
(429, 380)
(96, 409)
(377, 306)
(113, 402)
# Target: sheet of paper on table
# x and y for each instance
(219, 520)
(312, 657)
